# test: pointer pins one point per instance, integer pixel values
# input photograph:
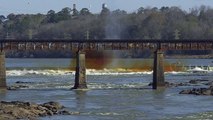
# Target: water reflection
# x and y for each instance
(160, 92)
(3, 93)
(159, 96)
(80, 99)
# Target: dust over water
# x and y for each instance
(100, 60)
(94, 60)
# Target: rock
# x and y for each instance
(193, 81)
(201, 81)
(65, 112)
(15, 87)
(207, 92)
(185, 92)
(182, 84)
(53, 106)
(26, 110)
(50, 113)
(190, 83)
(150, 84)
(199, 91)
(21, 82)
(167, 84)
(209, 83)
(11, 88)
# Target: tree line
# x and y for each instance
(145, 23)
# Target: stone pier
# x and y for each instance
(158, 70)
(3, 84)
(80, 75)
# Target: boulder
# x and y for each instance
(26, 110)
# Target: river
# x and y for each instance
(118, 94)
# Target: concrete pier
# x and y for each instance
(158, 70)
(3, 84)
(80, 75)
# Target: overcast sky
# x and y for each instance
(43, 6)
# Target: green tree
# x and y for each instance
(141, 10)
(2, 18)
(85, 12)
(51, 17)
(11, 16)
(64, 14)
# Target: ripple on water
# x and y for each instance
(197, 116)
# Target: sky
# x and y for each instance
(95, 6)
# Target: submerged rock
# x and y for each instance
(26, 110)
(168, 84)
(21, 82)
(199, 91)
(195, 82)
(16, 87)
(209, 83)
(65, 112)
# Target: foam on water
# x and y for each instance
(50, 72)
(198, 116)
(94, 86)
(116, 86)
(115, 72)
(38, 72)
(175, 72)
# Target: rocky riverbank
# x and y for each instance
(26, 110)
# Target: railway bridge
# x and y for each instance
(158, 46)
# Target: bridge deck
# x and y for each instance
(104, 44)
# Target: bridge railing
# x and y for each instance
(105, 44)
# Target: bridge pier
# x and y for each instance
(3, 84)
(158, 70)
(80, 75)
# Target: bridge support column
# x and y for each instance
(80, 75)
(3, 84)
(158, 70)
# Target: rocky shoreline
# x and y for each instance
(208, 90)
(26, 110)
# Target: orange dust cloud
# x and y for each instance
(100, 60)
(94, 60)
